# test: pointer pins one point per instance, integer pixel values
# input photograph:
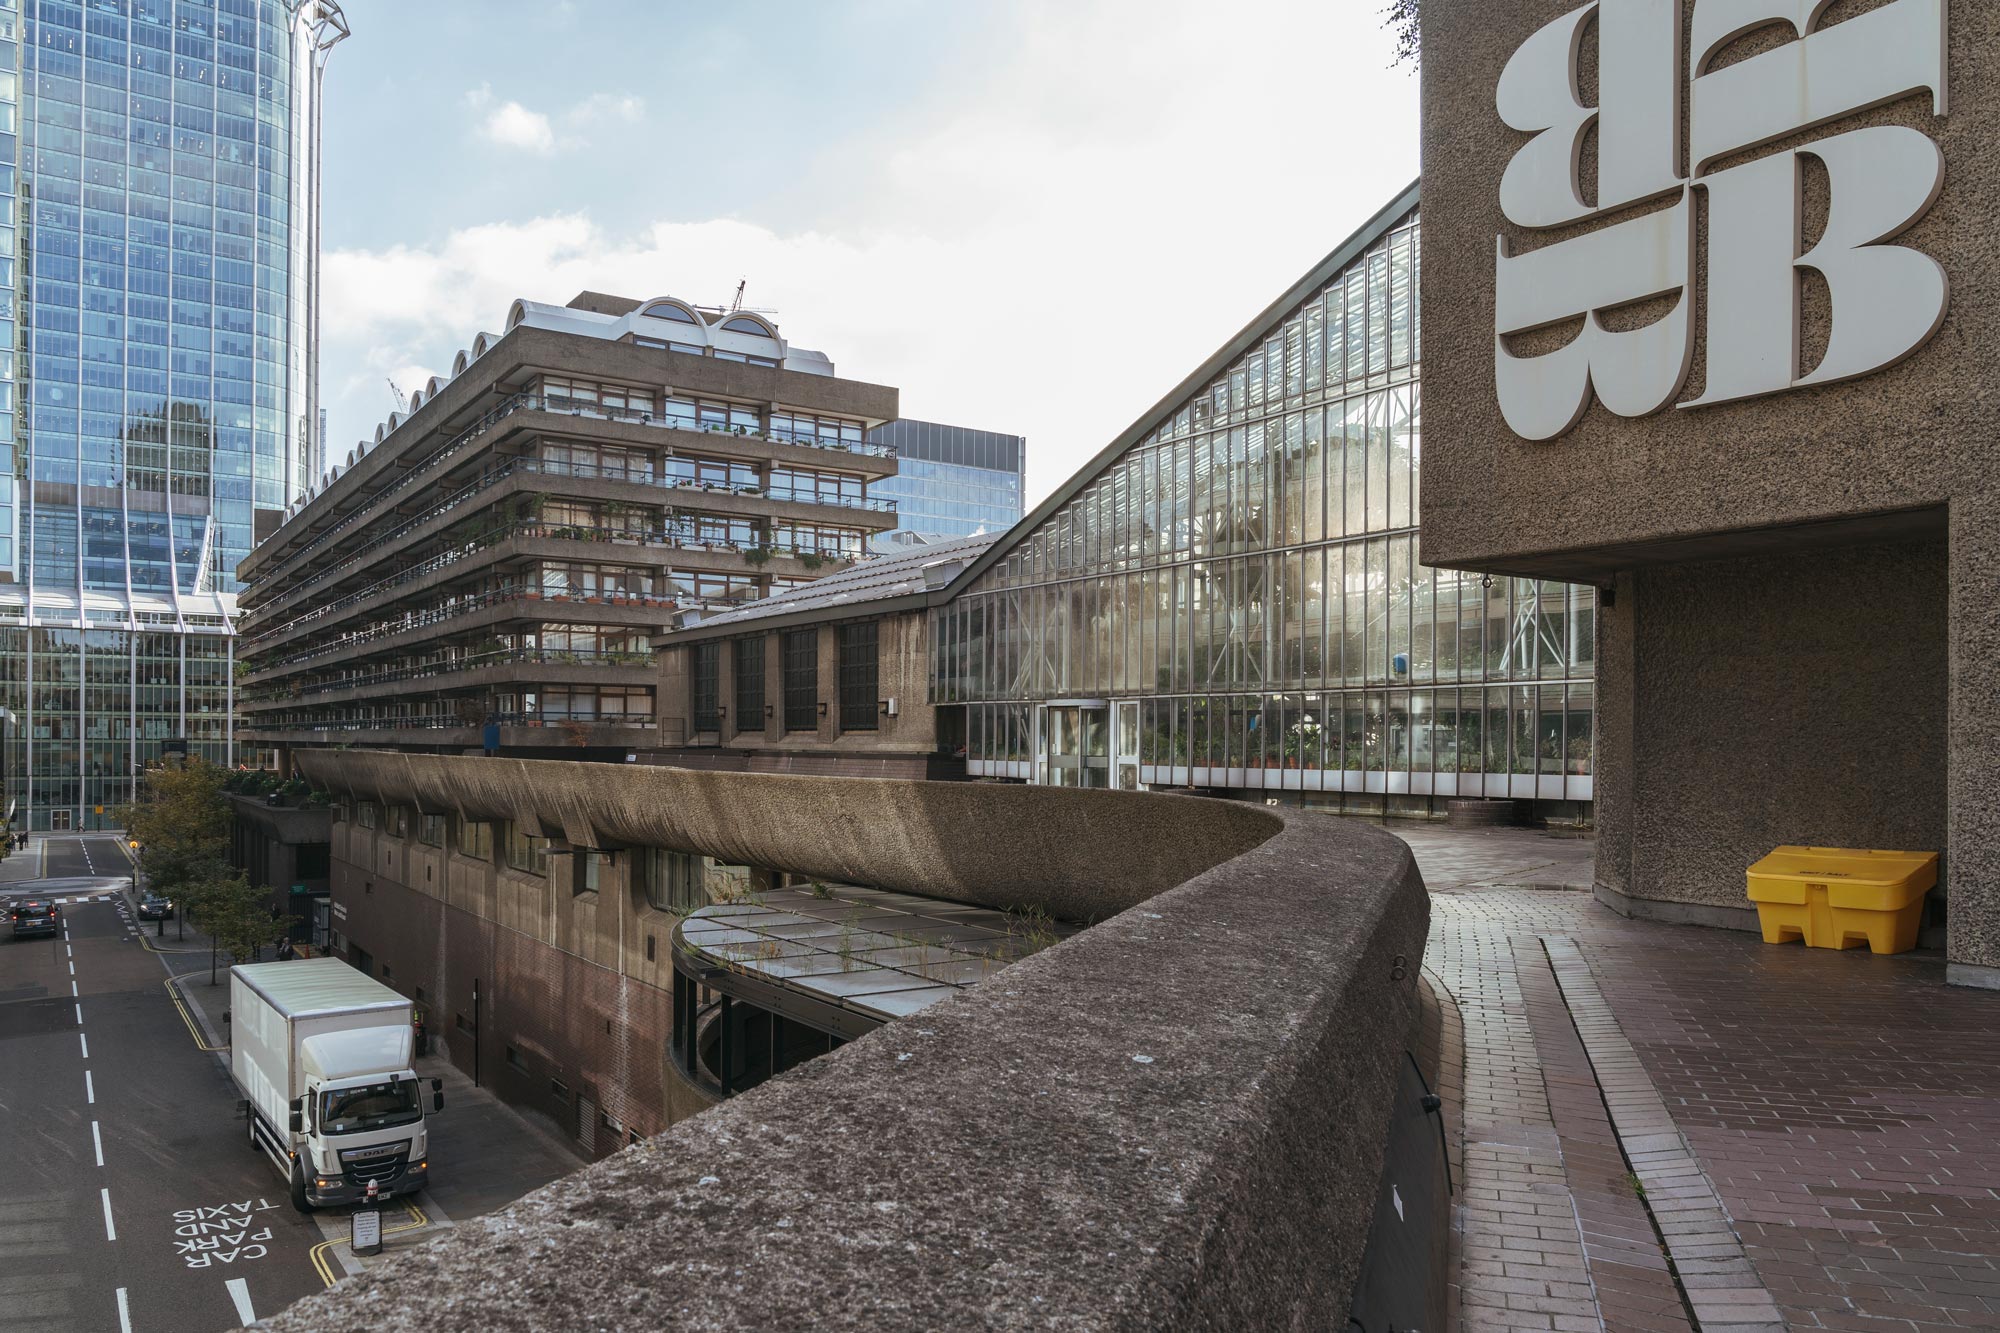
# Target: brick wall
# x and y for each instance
(566, 994)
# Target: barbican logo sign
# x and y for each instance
(1887, 300)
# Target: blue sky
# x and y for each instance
(1026, 215)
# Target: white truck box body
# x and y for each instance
(317, 1010)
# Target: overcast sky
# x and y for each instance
(1030, 217)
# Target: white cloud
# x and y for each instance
(1048, 247)
(512, 125)
(509, 124)
(606, 107)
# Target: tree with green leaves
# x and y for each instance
(180, 820)
(234, 913)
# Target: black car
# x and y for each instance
(156, 907)
(34, 916)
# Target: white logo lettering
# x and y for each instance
(1887, 300)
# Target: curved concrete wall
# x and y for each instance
(1174, 1119)
(1080, 858)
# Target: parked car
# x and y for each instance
(35, 916)
(156, 907)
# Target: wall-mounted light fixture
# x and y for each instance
(770, 710)
(822, 708)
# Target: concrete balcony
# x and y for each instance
(487, 671)
(1178, 1117)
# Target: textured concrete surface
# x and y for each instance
(1170, 1120)
(1792, 700)
(1617, 494)
(1079, 856)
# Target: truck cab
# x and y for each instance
(361, 1118)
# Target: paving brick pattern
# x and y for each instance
(1818, 1133)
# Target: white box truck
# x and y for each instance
(321, 1053)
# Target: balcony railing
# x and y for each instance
(459, 498)
(529, 402)
(546, 717)
(568, 657)
(459, 554)
(461, 605)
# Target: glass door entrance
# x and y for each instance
(1076, 741)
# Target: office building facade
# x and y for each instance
(159, 344)
(951, 482)
(1230, 597)
(491, 570)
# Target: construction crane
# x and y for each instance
(400, 400)
(736, 306)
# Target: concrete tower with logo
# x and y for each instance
(1723, 276)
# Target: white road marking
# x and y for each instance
(86, 1044)
(124, 1314)
(79, 1007)
(67, 951)
(72, 991)
(97, 1142)
(239, 1291)
(110, 1230)
(89, 1089)
(72, 967)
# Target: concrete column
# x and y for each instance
(1972, 800)
(725, 691)
(670, 696)
(774, 687)
(1615, 776)
(829, 684)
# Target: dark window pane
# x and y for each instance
(857, 676)
(704, 703)
(801, 666)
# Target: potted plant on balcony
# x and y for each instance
(811, 559)
(758, 555)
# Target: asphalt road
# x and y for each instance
(129, 1196)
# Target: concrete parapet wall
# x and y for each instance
(1172, 1120)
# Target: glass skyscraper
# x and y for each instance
(951, 481)
(160, 324)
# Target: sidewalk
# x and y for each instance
(1676, 1128)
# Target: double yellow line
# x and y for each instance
(188, 1018)
(324, 1267)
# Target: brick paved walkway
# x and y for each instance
(1671, 1128)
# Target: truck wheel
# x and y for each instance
(299, 1201)
(250, 1123)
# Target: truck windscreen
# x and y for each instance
(377, 1106)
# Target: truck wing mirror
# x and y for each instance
(437, 1102)
(225, 1018)
(298, 1115)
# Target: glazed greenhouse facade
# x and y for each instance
(1229, 597)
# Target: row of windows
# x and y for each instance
(1314, 475)
(857, 683)
(690, 413)
(1528, 730)
(672, 881)
(1356, 613)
